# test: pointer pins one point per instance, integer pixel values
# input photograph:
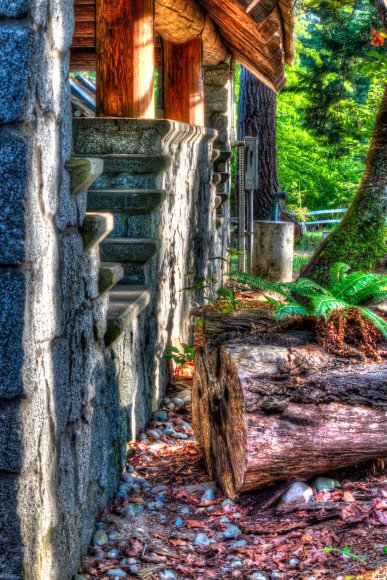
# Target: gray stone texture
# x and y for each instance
(17, 51)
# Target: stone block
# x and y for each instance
(13, 8)
(12, 288)
(16, 69)
(13, 179)
(218, 75)
(216, 99)
(11, 552)
(10, 438)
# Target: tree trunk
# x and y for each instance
(257, 118)
(274, 407)
(359, 240)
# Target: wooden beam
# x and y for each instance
(214, 51)
(183, 82)
(178, 20)
(125, 58)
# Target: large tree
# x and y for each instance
(360, 239)
(257, 118)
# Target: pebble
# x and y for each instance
(227, 504)
(179, 522)
(178, 402)
(185, 425)
(202, 540)
(208, 495)
(185, 510)
(238, 544)
(298, 490)
(169, 432)
(186, 396)
(99, 525)
(236, 563)
(124, 562)
(224, 520)
(99, 538)
(232, 532)
(133, 569)
(116, 572)
(160, 416)
(162, 518)
(166, 400)
(132, 561)
(167, 575)
(113, 554)
(257, 576)
(132, 510)
(179, 435)
(293, 561)
(321, 483)
(159, 489)
(153, 433)
(171, 406)
(128, 477)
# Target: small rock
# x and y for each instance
(160, 497)
(128, 477)
(160, 416)
(162, 518)
(238, 544)
(99, 525)
(123, 562)
(224, 520)
(116, 572)
(321, 483)
(143, 437)
(179, 435)
(132, 561)
(159, 489)
(132, 510)
(236, 563)
(99, 538)
(257, 576)
(208, 495)
(293, 562)
(133, 569)
(167, 575)
(185, 425)
(166, 401)
(153, 433)
(232, 532)
(275, 575)
(211, 508)
(298, 490)
(113, 554)
(179, 522)
(185, 510)
(169, 432)
(202, 540)
(227, 504)
(178, 402)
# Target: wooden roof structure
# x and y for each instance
(258, 33)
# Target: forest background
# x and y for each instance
(327, 110)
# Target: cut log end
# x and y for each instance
(269, 412)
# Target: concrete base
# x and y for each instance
(273, 251)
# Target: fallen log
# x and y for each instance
(272, 407)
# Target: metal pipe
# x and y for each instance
(250, 231)
(242, 208)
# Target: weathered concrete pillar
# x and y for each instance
(273, 251)
(218, 115)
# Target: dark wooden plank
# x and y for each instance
(125, 58)
(183, 82)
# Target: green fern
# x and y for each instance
(306, 298)
(337, 272)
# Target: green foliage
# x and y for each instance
(179, 357)
(229, 303)
(346, 552)
(345, 292)
(327, 110)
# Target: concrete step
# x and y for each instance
(110, 273)
(132, 201)
(95, 228)
(224, 176)
(125, 305)
(136, 164)
(83, 172)
(122, 250)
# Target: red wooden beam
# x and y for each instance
(125, 58)
(183, 82)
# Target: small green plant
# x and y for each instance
(346, 291)
(187, 355)
(345, 553)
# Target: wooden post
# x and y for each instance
(125, 58)
(183, 82)
(273, 250)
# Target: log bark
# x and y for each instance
(125, 58)
(273, 407)
(178, 20)
(214, 51)
(273, 251)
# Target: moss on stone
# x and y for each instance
(79, 171)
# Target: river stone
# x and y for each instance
(99, 538)
(117, 572)
(160, 416)
(167, 575)
(257, 576)
(179, 436)
(232, 532)
(209, 495)
(202, 540)
(178, 402)
(132, 510)
(298, 490)
(321, 483)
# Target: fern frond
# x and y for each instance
(324, 305)
(307, 288)
(290, 309)
(337, 272)
(376, 320)
(352, 284)
(258, 283)
(375, 290)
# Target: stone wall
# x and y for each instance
(68, 404)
